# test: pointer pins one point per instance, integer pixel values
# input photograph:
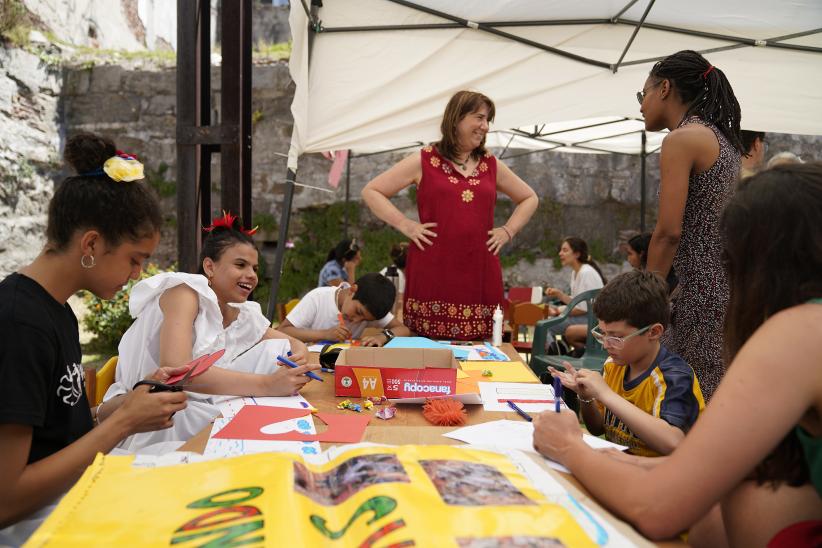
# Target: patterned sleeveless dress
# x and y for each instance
(454, 285)
(698, 314)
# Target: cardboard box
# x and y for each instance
(362, 372)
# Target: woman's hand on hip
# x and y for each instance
(497, 237)
(418, 233)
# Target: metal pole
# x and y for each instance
(347, 194)
(285, 219)
(643, 156)
(187, 214)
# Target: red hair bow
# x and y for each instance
(227, 221)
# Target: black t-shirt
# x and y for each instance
(41, 377)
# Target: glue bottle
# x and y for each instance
(496, 337)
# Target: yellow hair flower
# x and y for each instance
(123, 169)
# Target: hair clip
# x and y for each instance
(122, 167)
(227, 221)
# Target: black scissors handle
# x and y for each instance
(157, 386)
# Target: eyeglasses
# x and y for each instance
(640, 95)
(615, 342)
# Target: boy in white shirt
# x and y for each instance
(343, 312)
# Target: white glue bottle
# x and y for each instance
(496, 337)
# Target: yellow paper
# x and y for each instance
(513, 371)
(370, 496)
(461, 374)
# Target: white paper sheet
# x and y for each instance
(231, 406)
(220, 448)
(509, 434)
(530, 397)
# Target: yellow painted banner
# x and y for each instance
(370, 496)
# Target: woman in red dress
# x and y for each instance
(453, 274)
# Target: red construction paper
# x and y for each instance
(249, 422)
(201, 364)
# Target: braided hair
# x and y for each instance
(706, 91)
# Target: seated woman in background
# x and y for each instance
(341, 264)
(180, 316)
(585, 275)
(757, 448)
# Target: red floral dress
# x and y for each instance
(454, 285)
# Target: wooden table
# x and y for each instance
(409, 427)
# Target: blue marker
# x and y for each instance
(289, 363)
(519, 411)
(557, 393)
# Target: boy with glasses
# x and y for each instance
(647, 397)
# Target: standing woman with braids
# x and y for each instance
(699, 164)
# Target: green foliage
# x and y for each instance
(319, 229)
(157, 180)
(266, 222)
(14, 23)
(256, 116)
(264, 51)
(107, 320)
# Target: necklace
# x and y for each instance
(463, 165)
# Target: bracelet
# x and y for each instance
(97, 414)
(592, 400)
(510, 238)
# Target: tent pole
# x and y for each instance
(643, 156)
(347, 194)
(285, 219)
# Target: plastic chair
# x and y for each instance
(523, 314)
(103, 379)
(594, 357)
(284, 309)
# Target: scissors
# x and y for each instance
(178, 383)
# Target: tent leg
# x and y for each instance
(643, 156)
(285, 219)
(347, 194)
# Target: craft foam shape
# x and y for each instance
(249, 423)
(200, 364)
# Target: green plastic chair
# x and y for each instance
(594, 357)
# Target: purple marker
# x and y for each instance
(557, 393)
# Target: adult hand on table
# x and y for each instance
(418, 233)
(497, 237)
(556, 433)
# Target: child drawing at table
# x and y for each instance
(647, 397)
(102, 225)
(343, 312)
(180, 316)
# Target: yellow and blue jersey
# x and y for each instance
(668, 390)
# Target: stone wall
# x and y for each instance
(29, 141)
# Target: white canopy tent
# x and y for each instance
(378, 73)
